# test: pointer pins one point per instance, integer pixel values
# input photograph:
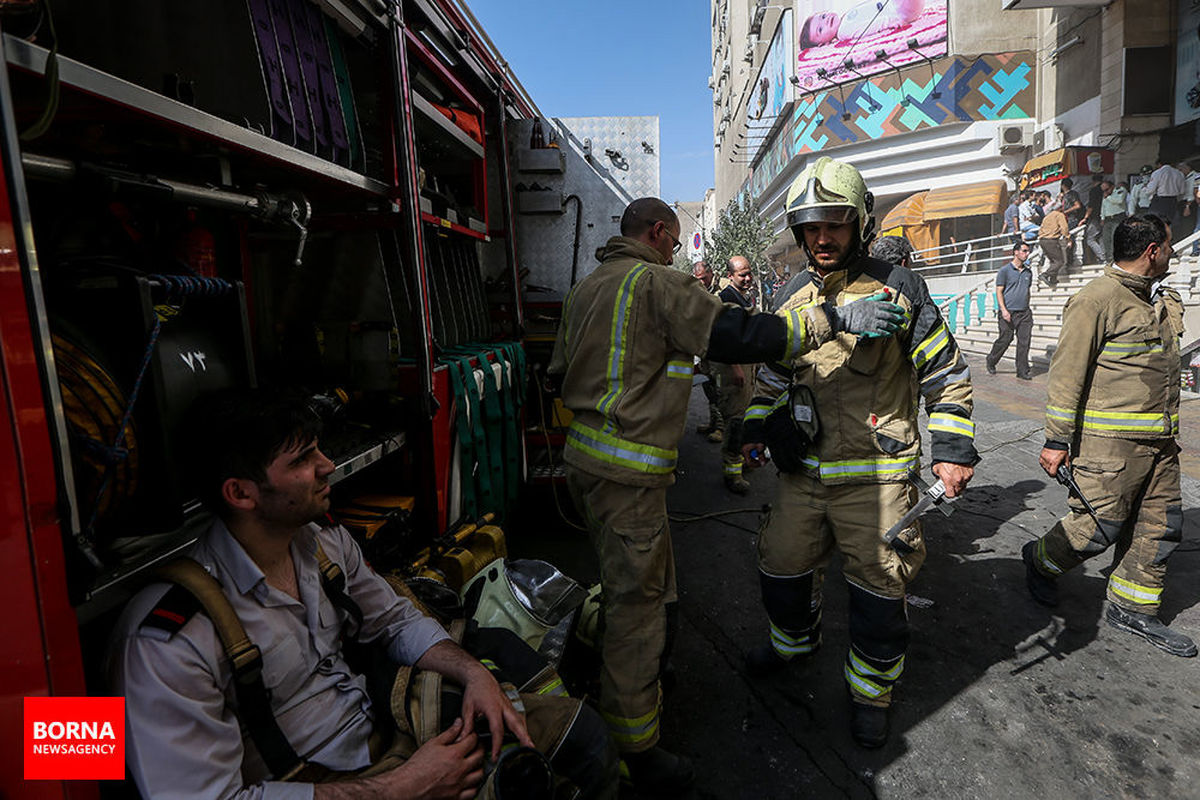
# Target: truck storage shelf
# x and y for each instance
(448, 225)
(32, 58)
(176, 543)
(355, 462)
(465, 145)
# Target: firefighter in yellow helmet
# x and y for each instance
(844, 435)
(625, 350)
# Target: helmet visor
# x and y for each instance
(837, 215)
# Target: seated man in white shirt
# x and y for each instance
(192, 733)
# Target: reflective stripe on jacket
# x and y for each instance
(867, 390)
(625, 348)
(1116, 369)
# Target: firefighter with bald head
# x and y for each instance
(625, 350)
(840, 421)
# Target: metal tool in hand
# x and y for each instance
(1067, 479)
(932, 496)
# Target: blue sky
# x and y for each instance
(618, 58)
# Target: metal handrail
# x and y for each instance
(949, 253)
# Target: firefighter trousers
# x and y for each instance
(628, 528)
(795, 545)
(733, 400)
(1134, 487)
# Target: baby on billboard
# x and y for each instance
(858, 20)
(840, 40)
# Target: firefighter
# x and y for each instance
(625, 350)
(735, 382)
(851, 483)
(197, 730)
(1112, 415)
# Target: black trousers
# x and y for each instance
(1022, 325)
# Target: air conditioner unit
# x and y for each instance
(717, 97)
(756, 17)
(1047, 139)
(1011, 138)
(725, 66)
(748, 54)
(712, 82)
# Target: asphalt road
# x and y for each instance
(1000, 698)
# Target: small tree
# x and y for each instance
(741, 231)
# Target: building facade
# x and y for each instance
(965, 99)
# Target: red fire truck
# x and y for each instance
(312, 194)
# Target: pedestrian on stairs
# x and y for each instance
(1013, 314)
(1055, 239)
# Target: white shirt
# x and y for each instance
(183, 738)
(1166, 181)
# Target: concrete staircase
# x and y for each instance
(1047, 303)
(972, 314)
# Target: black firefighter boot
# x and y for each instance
(1150, 628)
(869, 725)
(659, 773)
(1043, 588)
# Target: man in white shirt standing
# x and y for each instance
(1166, 187)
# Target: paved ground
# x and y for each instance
(1000, 698)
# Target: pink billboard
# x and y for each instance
(839, 41)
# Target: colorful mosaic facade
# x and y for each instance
(956, 89)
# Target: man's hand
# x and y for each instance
(759, 457)
(481, 694)
(870, 316)
(447, 767)
(954, 476)
(482, 697)
(1051, 459)
(1004, 312)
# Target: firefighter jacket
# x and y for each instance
(626, 347)
(866, 390)
(1115, 372)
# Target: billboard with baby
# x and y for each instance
(840, 41)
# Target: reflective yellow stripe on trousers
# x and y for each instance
(860, 674)
(628, 732)
(1134, 592)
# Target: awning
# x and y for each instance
(1045, 159)
(1058, 164)
(910, 211)
(968, 200)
